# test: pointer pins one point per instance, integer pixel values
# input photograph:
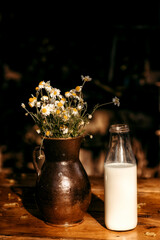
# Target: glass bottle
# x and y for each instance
(120, 181)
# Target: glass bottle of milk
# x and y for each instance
(120, 181)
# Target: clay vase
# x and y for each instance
(63, 191)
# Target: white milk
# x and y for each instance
(120, 186)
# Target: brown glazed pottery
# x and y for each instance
(63, 191)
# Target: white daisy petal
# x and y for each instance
(116, 101)
(41, 85)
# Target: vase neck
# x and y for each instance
(62, 149)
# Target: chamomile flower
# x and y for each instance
(73, 94)
(79, 107)
(51, 107)
(44, 98)
(66, 114)
(59, 104)
(67, 94)
(86, 78)
(41, 85)
(58, 111)
(48, 133)
(23, 105)
(38, 104)
(78, 88)
(45, 110)
(38, 131)
(74, 111)
(81, 123)
(65, 117)
(63, 99)
(64, 129)
(32, 101)
(47, 86)
(116, 101)
(89, 116)
(37, 88)
(55, 92)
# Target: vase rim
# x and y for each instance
(69, 138)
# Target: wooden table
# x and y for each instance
(20, 219)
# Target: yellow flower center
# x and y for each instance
(73, 94)
(55, 92)
(59, 104)
(30, 100)
(37, 88)
(65, 117)
(78, 88)
(41, 83)
(74, 110)
(47, 133)
(58, 111)
(44, 110)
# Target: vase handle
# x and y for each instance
(37, 155)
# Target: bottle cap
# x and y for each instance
(119, 128)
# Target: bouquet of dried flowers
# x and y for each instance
(59, 116)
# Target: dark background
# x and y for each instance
(117, 44)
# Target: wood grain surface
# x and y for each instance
(20, 218)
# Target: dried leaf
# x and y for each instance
(24, 216)
(13, 204)
(151, 234)
(23, 175)
(11, 181)
(139, 205)
(10, 196)
(19, 199)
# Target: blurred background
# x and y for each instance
(117, 44)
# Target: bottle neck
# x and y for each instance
(120, 150)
